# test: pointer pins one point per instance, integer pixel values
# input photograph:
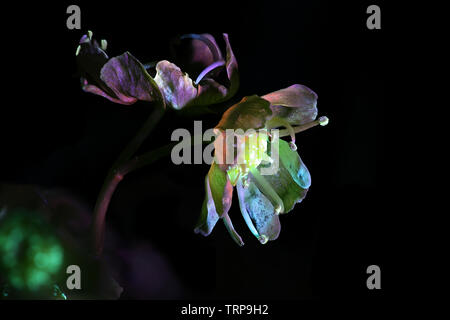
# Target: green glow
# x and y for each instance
(233, 174)
(48, 259)
(36, 278)
(31, 255)
(250, 151)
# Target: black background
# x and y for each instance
(54, 135)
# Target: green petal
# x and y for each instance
(297, 104)
(293, 163)
(250, 113)
(292, 180)
(129, 80)
(209, 216)
(221, 189)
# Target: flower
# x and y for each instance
(200, 55)
(125, 80)
(241, 157)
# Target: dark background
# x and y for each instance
(54, 135)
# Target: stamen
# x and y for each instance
(236, 237)
(323, 121)
(245, 214)
(276, 122)
(209, 69)
(78, 50)
(268, 191)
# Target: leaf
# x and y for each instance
(221, 189)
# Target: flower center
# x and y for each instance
(240, 152)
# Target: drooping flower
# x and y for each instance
(243, 158)
(125, 80)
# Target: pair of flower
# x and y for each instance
(123, 79)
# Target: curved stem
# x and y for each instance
(139, 138)
(115, 176)
(113, 179)
(108, 188)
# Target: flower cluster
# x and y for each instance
(240, 157)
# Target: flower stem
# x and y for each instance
(139, 138)
(115, 176)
